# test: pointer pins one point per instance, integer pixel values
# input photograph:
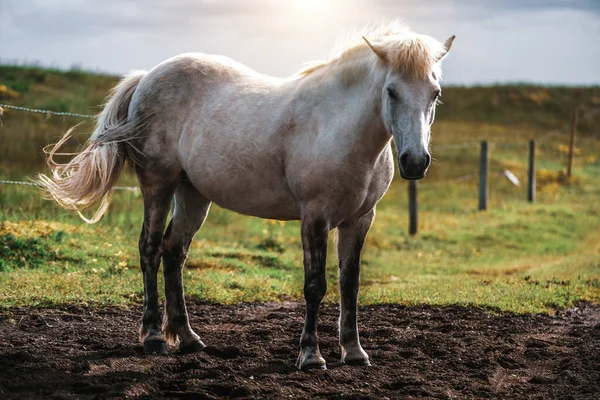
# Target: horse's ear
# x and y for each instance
(376, 49)
(446, 47)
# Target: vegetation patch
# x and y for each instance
(23, 253)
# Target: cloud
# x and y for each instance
(537, 5)
(495, 5)
(75, 17)
(497, 41)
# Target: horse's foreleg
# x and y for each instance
(191, 209)
(350, 243)
(157, 202)
(314, 242)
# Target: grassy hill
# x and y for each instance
(517, 256)
(536, 107)
(528, 105)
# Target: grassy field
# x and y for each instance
(517, 256)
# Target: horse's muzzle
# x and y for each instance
(413, 167)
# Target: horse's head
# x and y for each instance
(410, 92)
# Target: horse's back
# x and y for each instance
(218, 120)
(191, 76)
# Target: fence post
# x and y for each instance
(572, 142)
(484, 164)
(531, 173)
(412, 207)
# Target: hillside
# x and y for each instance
(523, 105)
(511, 105)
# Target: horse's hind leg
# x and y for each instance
(351, 239)
(157, 191)
(191, 209)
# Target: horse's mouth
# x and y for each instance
(411, 177)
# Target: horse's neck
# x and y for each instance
(349, 91)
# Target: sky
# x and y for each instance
(497, 41)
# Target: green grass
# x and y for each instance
(516, 257)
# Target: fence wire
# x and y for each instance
(35, 184)
(46, 112)
(449, 146)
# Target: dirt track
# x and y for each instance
(418, 352)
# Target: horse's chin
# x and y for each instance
(411, 177)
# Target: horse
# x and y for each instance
(314, 147)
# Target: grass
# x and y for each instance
(517, 256)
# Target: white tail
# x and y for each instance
(89, 177)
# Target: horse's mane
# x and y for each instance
(407, 51)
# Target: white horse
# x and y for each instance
(315, 147)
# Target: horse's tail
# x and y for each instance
(89, 177)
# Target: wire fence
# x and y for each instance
(426, 185)
(35, 184)
(48, 113)
(482, 176)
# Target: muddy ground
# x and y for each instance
(417, 352)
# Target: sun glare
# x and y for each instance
(312, 6)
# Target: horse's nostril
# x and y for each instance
(404, 160)
(427, 160)
(414, 167)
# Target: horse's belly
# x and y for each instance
(248, 192)
(272, 207)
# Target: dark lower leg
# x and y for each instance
(150, 331)
(176, 323)
(157, 202)
(349, 283)
(350, 244)
(190, 212)
(314, 238)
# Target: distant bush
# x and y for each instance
(20, 79)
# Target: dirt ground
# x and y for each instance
(417, 353)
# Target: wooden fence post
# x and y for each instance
(484, 164)
(531, 173)
(572, 142)
(412, 207)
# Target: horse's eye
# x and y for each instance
(392, 94)
(436, 95)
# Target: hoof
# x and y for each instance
(358, 363)
(192, 347)
(310, 360)
(319, 366)
(355, 355)
(155, 347)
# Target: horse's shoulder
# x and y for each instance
(384, 168)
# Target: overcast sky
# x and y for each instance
(540, 41)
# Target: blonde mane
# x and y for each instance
(409, 52)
